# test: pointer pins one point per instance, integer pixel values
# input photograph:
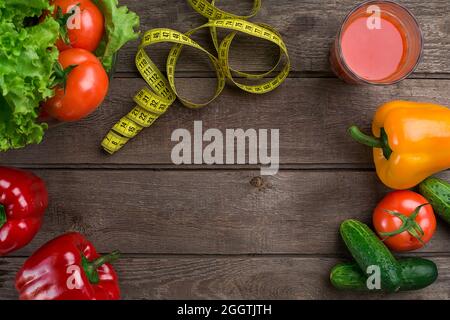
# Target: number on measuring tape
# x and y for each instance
(154, 100)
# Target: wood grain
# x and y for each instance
(212, 212)
(223, 232)
(312, 115)
(308, 27)
(234, 278)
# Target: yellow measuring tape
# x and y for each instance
(151, 104)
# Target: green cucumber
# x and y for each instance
(415, 273)
(348, 276)
(368, 250)
(437, 192)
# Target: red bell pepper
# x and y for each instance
(23, 201)
(68, 268)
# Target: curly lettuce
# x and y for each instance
(120, 25)
(16, 11)
(27, 56)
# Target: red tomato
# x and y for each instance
(85, 27)
(86, 87)
(405, 203)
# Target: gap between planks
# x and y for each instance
(136, 255)
(167, 167)
(292, 75)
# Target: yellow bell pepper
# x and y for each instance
(411, 142)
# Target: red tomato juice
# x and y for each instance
(373, 54)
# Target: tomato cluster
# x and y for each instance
(84, 82)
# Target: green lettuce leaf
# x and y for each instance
(120, 25)
(16, 11)
(27, 57)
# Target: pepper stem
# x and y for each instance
(2, 215)
(363, 138)
(90, 267)
(370, 141)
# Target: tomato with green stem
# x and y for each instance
(404, 220)
(82, 24)
(82, 86)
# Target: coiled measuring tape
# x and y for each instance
(151, 104)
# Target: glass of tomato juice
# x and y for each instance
(379, 42)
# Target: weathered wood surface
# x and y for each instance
(237, 277)
(212, 212)
(208, 232)
(312, 115)
(308, 27)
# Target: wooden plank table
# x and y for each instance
(211, 231)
